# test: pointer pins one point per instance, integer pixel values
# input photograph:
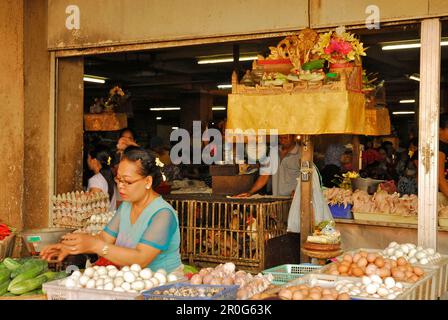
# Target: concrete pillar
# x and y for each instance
(12, 112)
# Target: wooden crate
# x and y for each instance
(216, 231)
(384, 217)
(105, 121)
(7, 246)
(35, 297)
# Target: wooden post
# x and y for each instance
(306, 206)
(356, 153)
(429, 133)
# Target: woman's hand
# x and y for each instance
(124, 142)
(77, 243)
(54, 251)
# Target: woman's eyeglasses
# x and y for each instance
(126, 183)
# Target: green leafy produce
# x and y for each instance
(8, 294)
(4, 275)
(51, 275)
(27, 285)
(37, 267)
(29, 264)
(11, 264)
(4, 287)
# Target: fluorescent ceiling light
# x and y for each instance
(175, 128)
(224, 86)
(96, 79)
(158, 118)
(407, 101)
(165, 109)
(408, 45)
(403, 112)
(218, 108)
(225, 59)
(415, 77)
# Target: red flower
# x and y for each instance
(338, 46)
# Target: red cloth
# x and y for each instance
(103, 262)
(370, 156)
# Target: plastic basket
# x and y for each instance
(287, 272)
(339, 212)
(55, 290)
(224, 292)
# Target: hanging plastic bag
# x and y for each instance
(320, 206)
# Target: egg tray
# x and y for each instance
(221, 292)
(287, 272)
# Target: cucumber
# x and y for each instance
(32, 293)
(312, 65)
(51, 275)
(4, 287)
(27, 285)
(4, 275)
(11, 264)
(29, 264)
(8, 294)
(31, 273)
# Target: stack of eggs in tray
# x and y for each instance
(72, 210)
(98, 222)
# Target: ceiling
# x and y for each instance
(166, 77)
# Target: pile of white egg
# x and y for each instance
(371, 287)
(412, 253)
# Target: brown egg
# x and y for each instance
(343, 296)
(297, 295)
(285, 294)
(399, 275)
(363, 254)
(383, 273)
(408, 274)
(362, 262)
(327, 297)
(315, 295)
(334, 272)
(402, 261)
(343, 269)
(305, 292)
(394, 264)
(348, 258)
(415, 278)
(418, 271)
(326, 291)
(379, 262)
(357, 272)
(371, 257)
(302, 286)
(402, 268)
(356, 257)
(409, 268)
(345, 263)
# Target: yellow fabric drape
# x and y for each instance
(377, 122)
(311, 113)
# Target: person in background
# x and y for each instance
(126, 138)
(332, 166)
(160, 150)
(347, 161)
(99, 160)
(145, 229)
(370, 155)
(443, 159)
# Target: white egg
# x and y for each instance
(111, 267)
(155, 282)
(389, 282)
(136, 267)
(431, 251)
(70, 283)
(376, 279)
(338, 287)
(126, 286)
(391, 296)
(420, 255)
(350, 285)
(109, 286)
(108, 280)
(352, 293)
(161, 277)
(102, 271)
(112, 273)
(96, 268)
(76, 274)
(393, 244)
(119, 274)
(146, 274)
(138, 285)
(90, 284)
(99, 283)
(382, 292)
(413, 260)
(148, 284)
(364, 294)
(366, 280)
(162, 271)
(125, 269)
(119, 289)
(136, 274)
(172, 277)
(405, 249)
(359, 284)
(132, 291)
(399, 285)
(438, 255)
(118, 281)
(104, 277)
(83, 280)
(394, 258)
(412, 253)
(399, 253)
(419, 248)
(129, 277)
(89, 272)
(424, 261)
(371, 289)
(390, 252)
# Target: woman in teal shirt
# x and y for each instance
(145, 229)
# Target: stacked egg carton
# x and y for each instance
(73, 210)
(98, 222)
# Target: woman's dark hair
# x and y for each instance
(122, 131)
(443, 121)
(105, 158)
(147, 163)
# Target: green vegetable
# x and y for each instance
(51, 275)
(8, 294)
(4, 275)
(32, 293)
(11, 264)
(35, 270)
(4, 287)
(313, 65)
(29, 264)
(28, 285)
